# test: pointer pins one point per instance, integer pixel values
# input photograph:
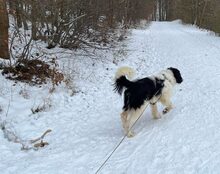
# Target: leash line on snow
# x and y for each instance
(110, 155)
(116, 147)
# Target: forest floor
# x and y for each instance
(86, 127)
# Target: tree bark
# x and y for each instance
(33, 20)
(4, 25)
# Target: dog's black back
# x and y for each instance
(138, 91)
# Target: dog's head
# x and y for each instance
(176, 74)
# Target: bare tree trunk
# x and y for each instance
(160, 10)
(203, 12)
(111, 13)
(154, 14)
(126, 13)
(169, 8)
(18, 13)
(33, 20)
(4, 24)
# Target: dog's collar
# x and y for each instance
(165, 78)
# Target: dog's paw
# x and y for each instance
(166, 110)
(158, 116)
(130, 134)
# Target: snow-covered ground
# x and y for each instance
(86, 126)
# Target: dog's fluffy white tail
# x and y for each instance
(125, 71)
(122, 78)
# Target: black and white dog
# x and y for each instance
(138, 93)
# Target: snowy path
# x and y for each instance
(187, 139)
(87, 127)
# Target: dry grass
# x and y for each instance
(46, 105)
(33, 72)
(24, 93)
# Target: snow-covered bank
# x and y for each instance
(86, 126)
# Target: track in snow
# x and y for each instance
(187, 139)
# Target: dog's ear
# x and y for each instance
(176, 74)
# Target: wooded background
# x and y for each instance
(71, 23)
(203, 13)
(75, 23)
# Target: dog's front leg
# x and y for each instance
(155, 113)
(168, 105)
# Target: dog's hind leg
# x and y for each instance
(124, 120)
(124, 116)
(134, 115)
(155, 113)
(128, 119)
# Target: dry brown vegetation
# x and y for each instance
(33, 72)
(69, 24)
(77, 23)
